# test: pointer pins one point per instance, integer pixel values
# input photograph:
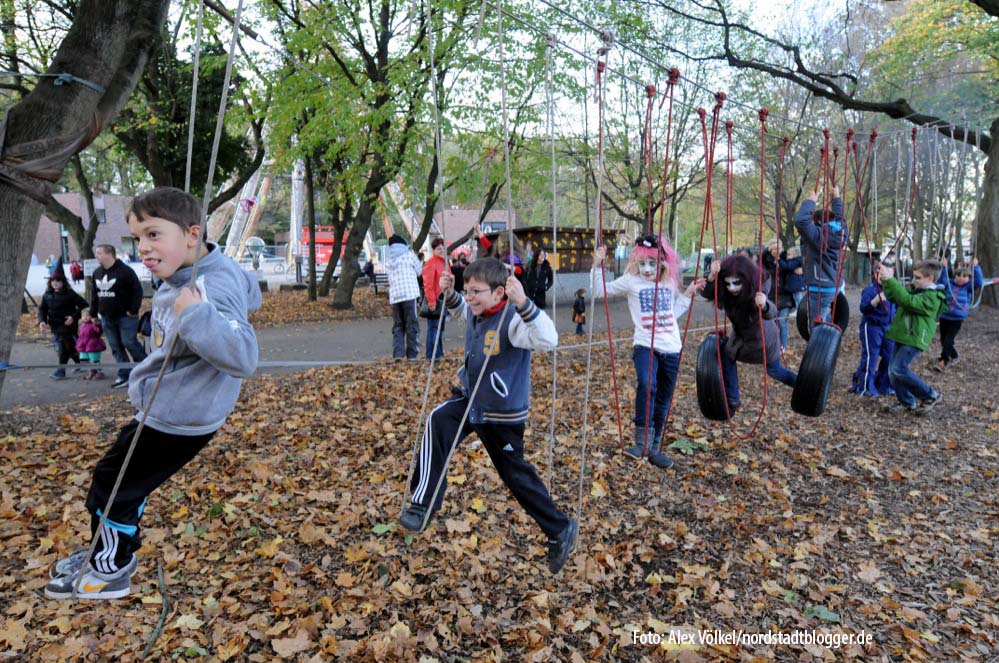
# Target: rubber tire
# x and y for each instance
(710, 389)
(841, 319)
(815, 375)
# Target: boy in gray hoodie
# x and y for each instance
(216, 347)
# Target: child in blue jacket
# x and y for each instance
(961, 294)
(871, 376)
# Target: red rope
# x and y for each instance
(601, 65)
(650, 92)
(759, 277)
(647, 159)
(674, 76)
(846, 220)
(859, 178)
(777, 210)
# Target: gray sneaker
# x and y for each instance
(71, 565)
(925, 406)
(94, 585)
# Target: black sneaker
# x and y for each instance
(559, 549)
(660, 460)
(412, 518)
(925, 406)
(119, 383)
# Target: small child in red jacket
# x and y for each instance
(90, 345)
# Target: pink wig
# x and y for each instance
(656, 247)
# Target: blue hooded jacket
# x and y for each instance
(960, 297)
(821, 265)
(877, 316)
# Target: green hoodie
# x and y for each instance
(915, 321)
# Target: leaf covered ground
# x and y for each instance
(279, 541)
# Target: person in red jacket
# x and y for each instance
(432, 271)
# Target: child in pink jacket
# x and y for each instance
(90, 345)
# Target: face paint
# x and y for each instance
(733, 284)
(647, 268)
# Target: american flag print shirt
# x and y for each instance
(670, 306)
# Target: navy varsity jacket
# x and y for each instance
(506, 338)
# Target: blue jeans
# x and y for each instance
(907, 385)
(784, 312)
(730, 375)
(405, 330)
(820, 305)
(123, 336)
(435, 326)
(663, 381)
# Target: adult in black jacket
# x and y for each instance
(539, 278)
(118, 298)
(60, 312)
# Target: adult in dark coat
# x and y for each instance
(117, 297)
(60, 310)
(540, 278)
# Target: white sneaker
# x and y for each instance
(94, 585)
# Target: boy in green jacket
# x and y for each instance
(912, 330)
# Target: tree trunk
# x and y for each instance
(350, 271)
(310, 214)
(108, 45)
(339, 224)
(987, 220)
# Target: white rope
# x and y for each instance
(551, 136)
(506, 133)
(194, 96)
(503, 317)
(193, 283)
(601, 81)
(438, 340)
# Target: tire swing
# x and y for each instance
(841, 315)
(708, 376)
(815, 375)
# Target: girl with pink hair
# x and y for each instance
(651, 282)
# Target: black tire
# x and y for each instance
(841, 318)
(710, 389)
(815, 376)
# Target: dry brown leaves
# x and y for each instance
(279, 541)
(294, 308)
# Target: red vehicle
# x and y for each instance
(325, 236)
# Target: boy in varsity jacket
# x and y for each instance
(502, 327)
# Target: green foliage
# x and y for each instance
(944, 39)
(158, 113)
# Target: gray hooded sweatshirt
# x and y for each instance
(216, 348)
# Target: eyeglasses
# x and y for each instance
(475, 292)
